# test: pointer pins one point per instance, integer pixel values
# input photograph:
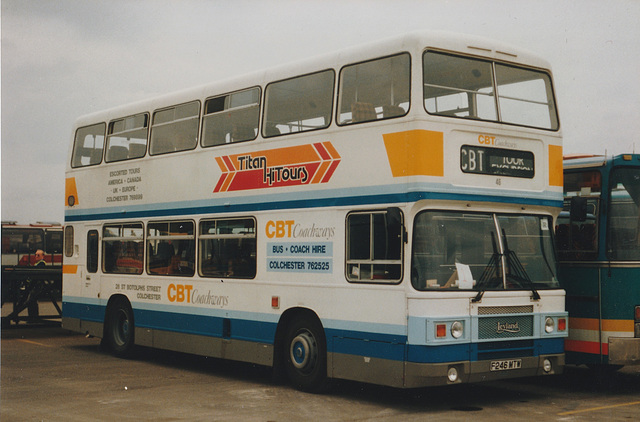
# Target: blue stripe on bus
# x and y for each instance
(351, 342)
(258, 203)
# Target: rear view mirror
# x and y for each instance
(578, 211)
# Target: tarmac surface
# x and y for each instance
(50, 374)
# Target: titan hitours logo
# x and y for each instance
(508, 327)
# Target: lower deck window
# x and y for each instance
(228, 248)
(123, 248)
(374, 247)
(171, 248)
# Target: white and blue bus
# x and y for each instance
(382, 214)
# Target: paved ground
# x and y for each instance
(49, 374)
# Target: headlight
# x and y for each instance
(549, 325)
(457, 329)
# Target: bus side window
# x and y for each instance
(122, 248)
(175, 128)
(374, 247)
(127, 138)
(299, 104)
(92, 251)
(231, 118)
(88, 145)
(171, 248)
(374, 90)
(228, 248)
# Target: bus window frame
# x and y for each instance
(121, 238)
(203, 237)
(76, 147)
(110, 133)
(265, 107)
(93, 251)
(174, 267)
(68, 241)
(231, 110)
(554, 121)
(351, 263)
(153, 125)
(341, 90)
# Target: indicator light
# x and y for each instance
(275, 302)
(441, 330)
(562, 324)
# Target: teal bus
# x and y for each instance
(598, 244)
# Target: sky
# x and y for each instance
(61, 59)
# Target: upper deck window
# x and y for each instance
(175, 128)
(88, 145)
(231, 118)
(375, 90)
(299, 104)
(471, 88)
(127, 138)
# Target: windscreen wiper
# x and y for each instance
(492, 267)
(516, 269)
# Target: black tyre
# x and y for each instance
(306, 355)
(119, 328)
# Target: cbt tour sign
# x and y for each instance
(291, 166)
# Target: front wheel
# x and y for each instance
(306, 355)
(119, 329)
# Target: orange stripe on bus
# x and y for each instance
(617, 325)
(332, 151)
(593, 324)
(584, 324)
(70, 189)
(324, 166)
(415, 153)
(69, 269)
(555, 166)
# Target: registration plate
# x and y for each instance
(505, 365)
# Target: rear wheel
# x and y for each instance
(119, 328)
(306, 355)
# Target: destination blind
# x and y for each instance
(497, 161)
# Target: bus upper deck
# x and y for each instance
(292, 127)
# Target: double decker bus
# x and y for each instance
(598, 244)
(381, 214)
